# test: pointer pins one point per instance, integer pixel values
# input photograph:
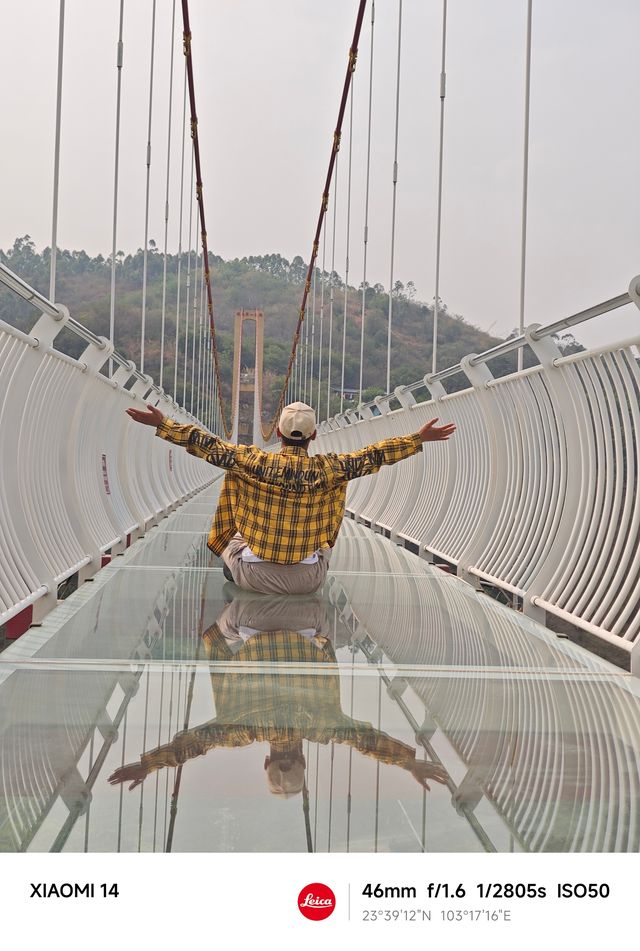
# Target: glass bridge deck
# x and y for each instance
(161, 661)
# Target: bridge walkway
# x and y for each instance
(538, 738)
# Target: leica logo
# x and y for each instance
(310, 900)
(316, 901)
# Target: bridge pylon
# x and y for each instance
(246, 396)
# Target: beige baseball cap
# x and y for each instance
(297, 421)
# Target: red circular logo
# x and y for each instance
(316, 901)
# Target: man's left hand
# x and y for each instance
(422, 771)
(151, 418)
(432, 433)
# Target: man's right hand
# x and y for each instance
(151, 418)
(432, 433)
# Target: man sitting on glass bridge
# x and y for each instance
(279, 513)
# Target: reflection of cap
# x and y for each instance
(285, 778)
(297, 421)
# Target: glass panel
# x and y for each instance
(309, 723)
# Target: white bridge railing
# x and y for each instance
(77, 477)
(537, 493)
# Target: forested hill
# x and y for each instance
(270, 283)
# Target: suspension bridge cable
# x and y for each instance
(322, 284)
(330, 821)
(166, 202)
(144, 750)
(377, 800)
(353, 649)
(119, 64)
(306, 355)
(186, 309)
(193, 325)
(145, 253)
(525, 177)
(353, 55)
(366, 207)
(177, 341)
(56, 159)
(393, 208)
(346, 269)
(200, 199)
(200, 322)
(331, 295)
(443, 92)
(313, 333)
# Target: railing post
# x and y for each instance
(479, 376)
(547, 352)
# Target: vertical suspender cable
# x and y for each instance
(166, 203)
(393, 209)
(377, 808)
(443, 92)
(177, 342)
(346, 266)
(112, 306)
(322, 283)
(525, 178)
(194, 323)
(306, 354)
(144, 750)
(186, 309)
(366, 209)
(145, 253)
(200, 321)
(331, 290)
(56, 160)
(313, 336)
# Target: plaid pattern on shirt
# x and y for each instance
(277, 702)
(287, 504)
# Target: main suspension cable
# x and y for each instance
(353, 55)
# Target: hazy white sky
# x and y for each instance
(268, 80)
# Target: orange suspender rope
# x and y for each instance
(351, 65)
(353, 55)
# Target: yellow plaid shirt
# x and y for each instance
(287, 504)
(278, 702)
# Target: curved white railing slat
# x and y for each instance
(537, 493)
(77, 476)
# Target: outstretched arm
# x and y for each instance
(196, 441)
(380, 746)
(370, 459)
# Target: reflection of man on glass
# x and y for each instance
(279, 513)
(292, 694)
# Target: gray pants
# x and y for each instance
(270, 578)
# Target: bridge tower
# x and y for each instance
(246, 395)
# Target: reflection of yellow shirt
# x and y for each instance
(288, 504)
(280, 706)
